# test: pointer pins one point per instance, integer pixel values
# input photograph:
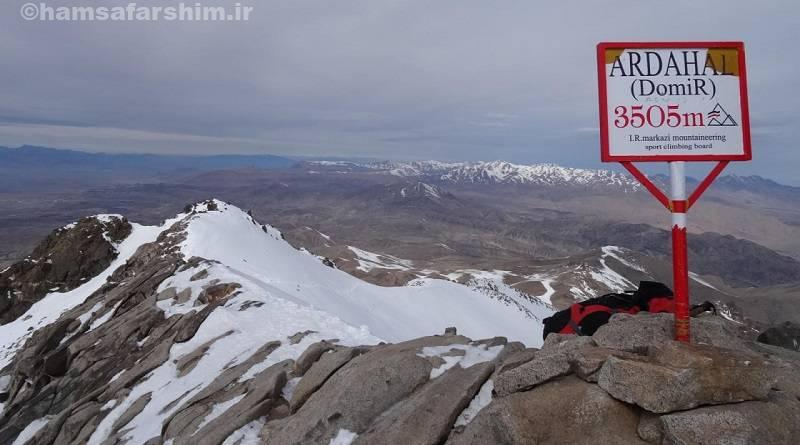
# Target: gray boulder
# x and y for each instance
(553, 360)
(359, 392)
(774, 422)
(562, 411)
(426, 417)
(319, 373)
(677, 376)
(786, 335)
(311, 355)
(636, 333)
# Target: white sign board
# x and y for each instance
(677, 101)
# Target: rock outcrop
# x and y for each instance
(785, 335)
(643, 387)
(65, 259)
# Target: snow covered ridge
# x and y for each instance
(206, 292)
(499, 172)
(258, 254)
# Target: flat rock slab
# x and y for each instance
(553, 360)
(757, 423)
(428, 415)
(359, 392)
(260, 395)
(636, 333)
(676, 376)
(311, 355)
(320, 371)
(587, 360)
(563, 411)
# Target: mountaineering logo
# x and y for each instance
(717, 113)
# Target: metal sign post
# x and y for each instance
(680, 260)
(674, 102)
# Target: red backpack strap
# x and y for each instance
(572, 326)
(578, 313)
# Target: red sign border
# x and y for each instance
(605, 155)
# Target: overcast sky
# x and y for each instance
(449, 80)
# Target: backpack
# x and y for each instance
(585, 317)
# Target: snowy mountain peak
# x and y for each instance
(543, 174)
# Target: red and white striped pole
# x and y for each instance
(680, 268)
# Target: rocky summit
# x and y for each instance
(65, 259)
(211, 329)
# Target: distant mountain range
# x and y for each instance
(494, 172)
(502, 172)
(34, 156)
(26, 165)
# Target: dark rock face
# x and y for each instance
(69, 375)
(786, 335)
(63, 261)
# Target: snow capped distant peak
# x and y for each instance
(545, 174)
(421, 189)
(492, 172)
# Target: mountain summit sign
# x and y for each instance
(674, 102)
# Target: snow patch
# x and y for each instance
(472, 356)
(705, 283)
(616, 253)
(479, 402)
(608, 276)
(288, 390)
(248, 434)
(109, 405)
(343, 437)
(107, 316)
(368, 261)
(218, 409)
(31, 430)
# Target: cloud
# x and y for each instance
(466, 79)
